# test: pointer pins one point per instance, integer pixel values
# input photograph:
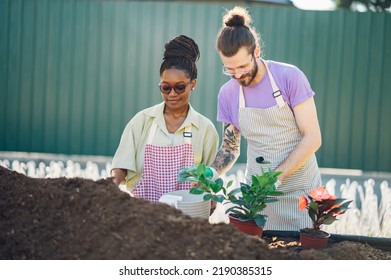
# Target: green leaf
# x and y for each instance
(219, 198)
(255, 209)
(234, 192)
(183, 172)
(312, 214)
(191, 179)
(203, 180)
(328, 220)
(263, 181)
(345, 205)
(270, 199)
(220, 182)
(201, 169)
(244, 218)
(215, 187)
(235, 211)
(196, 190)
(254, 180)
(276, 193)
(260, 220)
(314, 206)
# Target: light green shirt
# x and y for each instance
(130, 152)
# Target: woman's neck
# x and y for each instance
(176, 113)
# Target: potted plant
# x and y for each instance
(323, 209)
(248, 201)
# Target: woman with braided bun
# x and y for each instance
(163, 139)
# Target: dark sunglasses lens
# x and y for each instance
(165, 89)
(180, 88)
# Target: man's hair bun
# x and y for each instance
(238, 16)
(235, 20)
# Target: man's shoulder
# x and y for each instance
(284, 70)
(281, 66)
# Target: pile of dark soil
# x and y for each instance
(51, 219)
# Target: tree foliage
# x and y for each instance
(371, 5)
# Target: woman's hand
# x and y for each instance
(190, 174)
(118, 175)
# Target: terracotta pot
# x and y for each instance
(249, 227)
(311, 239)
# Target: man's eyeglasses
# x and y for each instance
(238, 71)
(178, 88)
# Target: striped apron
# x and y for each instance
(161, 167)
(272, 133)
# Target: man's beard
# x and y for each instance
(251, 75)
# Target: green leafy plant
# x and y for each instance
(323, 208)
(248, 200)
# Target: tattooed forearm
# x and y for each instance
(229, 151)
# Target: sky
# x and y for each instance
(314, 4)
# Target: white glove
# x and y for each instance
(190, 174)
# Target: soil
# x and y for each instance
(62, 219)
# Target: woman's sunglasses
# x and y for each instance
(178, 88)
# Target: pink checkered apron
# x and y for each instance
(272, 133)
(161, 167)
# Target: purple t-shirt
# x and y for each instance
(290, 80)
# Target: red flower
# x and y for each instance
(303, 202)
(323, 208)
(321, 193)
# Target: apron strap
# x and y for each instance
(276, 92)
(242, 103)
(186, 134)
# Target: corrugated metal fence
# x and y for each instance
(72, 73)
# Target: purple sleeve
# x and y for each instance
(298, 88)
(223, 109)
(228, 103)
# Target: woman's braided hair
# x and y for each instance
(181, 53)
(237, 32)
